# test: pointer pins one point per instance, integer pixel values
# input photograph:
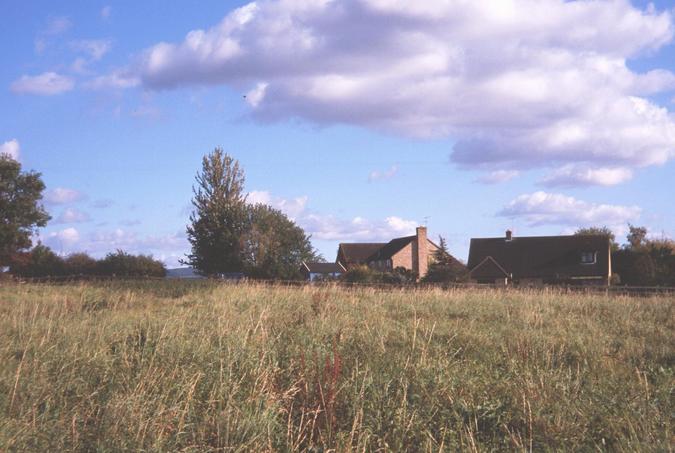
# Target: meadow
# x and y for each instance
(200, 366)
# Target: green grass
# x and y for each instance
(195, 366)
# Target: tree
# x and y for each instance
(637, 237)
(218, 220)
(20, 208)
(274, 246)
(444, 267)
(599, 231)
(41, 261)
(80, 264)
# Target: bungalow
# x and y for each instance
(410, 252)
(579, 259)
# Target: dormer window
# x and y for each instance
(588, 257)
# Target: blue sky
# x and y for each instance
(361, 118)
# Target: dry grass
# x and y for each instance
(193, 366)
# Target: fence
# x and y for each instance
(609, 290)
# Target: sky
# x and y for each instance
(360, 119)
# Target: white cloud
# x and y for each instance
(498, 176)
(11, 148)
(63, 241)
(72, 215)
(293, 207)
(95, 49)
(328, 227)
(542, 208)
(377, 175)
(579, 175)
(520, 83)
(47, 84)
(114, 80)
(62, 195)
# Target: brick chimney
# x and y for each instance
(420, 252)
(509, 235)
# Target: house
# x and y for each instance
(321, 271)
(411, 252)
(527, 261)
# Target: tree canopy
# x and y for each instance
(218, 220)
(20, 207)
(228, 235)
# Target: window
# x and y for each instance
(588, 257)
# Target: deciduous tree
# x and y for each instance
(21, 212)
(219, 219)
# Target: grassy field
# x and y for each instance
(176, 366)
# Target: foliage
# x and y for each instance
(599, 231)
(274, 246)
(365, 274)
(41, 261)
(22, 213)
(637, 237)
(80, 264)
(228, 235)
(218, 221)
(444, 267)
(122, 264)
(198, 366)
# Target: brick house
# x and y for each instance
(411, 252)
(537, 260)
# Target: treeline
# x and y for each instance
(41, 261)
(640, 261)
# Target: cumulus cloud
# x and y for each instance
(291, 207)
(62, 195)
(498, 176)
(328, 227)
(577, 175)
(542, 208)
(64, 240)
(11, 148)
(377, 175)
(45, 84)
(72, 215)
(517, 84)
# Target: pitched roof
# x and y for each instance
(391, 248)
(543, 256)
(358, 253)
(488, 268)
(323, 268)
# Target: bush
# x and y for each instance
(41, 261)
(122, 264)
(80, 264)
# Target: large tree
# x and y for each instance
(218, 220)
(274, 246)
(21, 212)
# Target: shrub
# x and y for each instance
(41, 261)
(123, 264)
(80, 264)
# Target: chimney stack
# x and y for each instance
(509, 235)
(420, 252)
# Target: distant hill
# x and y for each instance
(182, 272)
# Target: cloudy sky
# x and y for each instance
(358, 118)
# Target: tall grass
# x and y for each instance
(195, 366)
